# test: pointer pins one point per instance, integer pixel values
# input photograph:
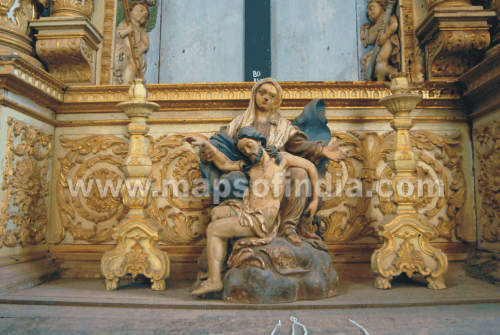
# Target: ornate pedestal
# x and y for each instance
(407, 249)
(405, 233)
(138, 235)
(137, 253)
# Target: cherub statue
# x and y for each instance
(256, 215)
(124, 65)
(378, 32)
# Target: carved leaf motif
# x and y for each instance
(136, 261)
(370, 149)
(408, 260)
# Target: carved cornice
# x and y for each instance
(210, 96)
(19, 76)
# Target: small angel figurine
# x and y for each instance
(124, 65)
(379, 33)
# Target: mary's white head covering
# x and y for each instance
(281, 128)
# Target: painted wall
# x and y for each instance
(313, 41)
(201, 41)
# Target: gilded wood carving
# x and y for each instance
(28, 152)
(438, 158)
(91, 219)
(184, 219)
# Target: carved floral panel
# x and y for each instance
(345, 219)
(23, 217)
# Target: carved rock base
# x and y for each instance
(407, 249)
(290, 273)
(136, 253)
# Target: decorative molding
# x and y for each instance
(102, 156)
(4, 100)
(447, 54)
(19, 76)
(84, 154)
(28, 153)
(225, 120)
(225, 96)
(107, 41)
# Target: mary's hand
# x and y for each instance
(332, 152)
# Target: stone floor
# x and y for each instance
(467, 306)
(422, 320)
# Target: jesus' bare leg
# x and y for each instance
(218, 233)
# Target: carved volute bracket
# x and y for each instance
(405, 233)
(451, 32)
(15, 30)
(68, 46)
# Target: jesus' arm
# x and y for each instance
(219, 159)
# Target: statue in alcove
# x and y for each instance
(133, 29)
(283, 259)
(381, 32)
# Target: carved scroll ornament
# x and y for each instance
(101, 157)
(488, 154)
(353, 218)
